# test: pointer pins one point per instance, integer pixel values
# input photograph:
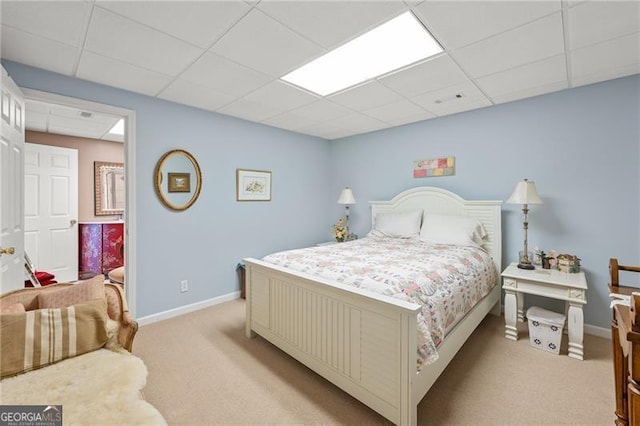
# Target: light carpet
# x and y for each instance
(97, 388)
(203, 370)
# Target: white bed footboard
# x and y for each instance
(364, 344)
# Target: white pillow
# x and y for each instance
(458, 230)
(404, 224)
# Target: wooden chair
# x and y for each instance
(625, 336)
(614, 274)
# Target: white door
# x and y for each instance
(12, 271)
(51, 209)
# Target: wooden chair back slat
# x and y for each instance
(615, 268)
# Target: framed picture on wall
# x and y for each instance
(253, 185)
(179, 182)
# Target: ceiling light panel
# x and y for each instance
(118, 128)
(393, 45)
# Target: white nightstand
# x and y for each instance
(571, 288)
(328, 243)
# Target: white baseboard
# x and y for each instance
(150, 319)
(588, 329)
(597, 331)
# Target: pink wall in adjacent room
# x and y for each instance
(89, 150)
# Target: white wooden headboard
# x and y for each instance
(440, 201)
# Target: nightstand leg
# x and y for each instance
(510, 315)
(576, 331)
(520, 298)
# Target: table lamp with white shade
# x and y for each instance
(347, 199)
(525, 194)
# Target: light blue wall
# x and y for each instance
(581, 147)
(204, 243)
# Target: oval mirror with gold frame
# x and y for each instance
(178, 179)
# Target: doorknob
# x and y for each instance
(72, 222)
(8, 250)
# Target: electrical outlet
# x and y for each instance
(184, 286)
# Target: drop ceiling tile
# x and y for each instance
(322, 110)
(261, 43)
(597, 21)
(610, 59)
(459, 23)
(339, 134)
(223, 75)
(289, 121)
(357, 123)
(35, 120)
(83, 126)
(37, 106)
(541, 73)
(74, 131)
(113, 138)
(28, 49)
(528, 43)
(77, 114)
(366, 96)
(427, 76)
(252, 111)
(348, 18)
(35, 126)
(445, 101)
(194, 95)
(400, 112)
(197, 22)
(119, 38)
(467, 105)
(320, 130)
(281, 96)
(531, 92)
(115, 73)
(61, 21)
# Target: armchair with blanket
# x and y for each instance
(72, 342)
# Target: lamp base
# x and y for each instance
(526, 266)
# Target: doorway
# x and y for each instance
(129, 216)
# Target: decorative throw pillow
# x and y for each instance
(12, 308)
(397, 225)
(82, 292)
(458, 230)
(33, 339)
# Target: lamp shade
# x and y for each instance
(346, 197)
(525, 193)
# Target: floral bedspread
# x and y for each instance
(446, 280)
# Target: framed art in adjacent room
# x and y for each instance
(253, 185)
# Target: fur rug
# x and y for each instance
(101, 387)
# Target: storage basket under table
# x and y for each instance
(545, 329)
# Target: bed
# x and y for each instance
(363, 342)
